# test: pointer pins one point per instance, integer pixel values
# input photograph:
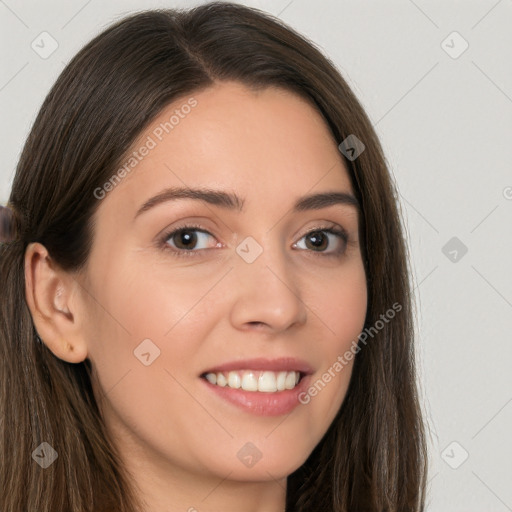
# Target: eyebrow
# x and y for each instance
(232, 201)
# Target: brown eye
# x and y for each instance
(318, 240)
(326, 242)
(187, 239)
(184, 239)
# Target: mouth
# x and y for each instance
(260, 386)
(261, 394)
(263, 381)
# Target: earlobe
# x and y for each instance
(49, 292)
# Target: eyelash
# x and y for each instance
(180, 253)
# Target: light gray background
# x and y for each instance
(446, 125)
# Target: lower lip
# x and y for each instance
(261, 403)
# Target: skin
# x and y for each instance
(177, 439)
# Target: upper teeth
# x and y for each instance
(251, 380)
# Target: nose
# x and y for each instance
(267, 296)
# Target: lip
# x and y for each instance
(261, 364)
(261, 403)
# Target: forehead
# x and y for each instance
(269, 143)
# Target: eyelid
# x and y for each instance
(325, 226)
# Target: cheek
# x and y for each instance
(144, 334)
(341, 307)
(142, 322)
(134, 301)
(341, 311)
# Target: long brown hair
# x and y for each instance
(373, 457)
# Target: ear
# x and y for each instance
(53, 299)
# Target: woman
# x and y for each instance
(205, 301)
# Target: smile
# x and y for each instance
(256, 381)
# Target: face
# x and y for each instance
(179, 287)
